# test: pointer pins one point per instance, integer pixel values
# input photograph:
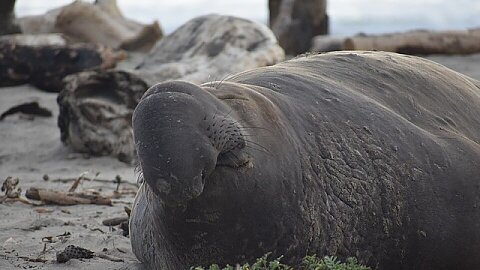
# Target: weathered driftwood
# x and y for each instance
(7, 18)
(100, 23)
(326, 43)
(45, 66)
(419, 42)
(96, 107)
(30, 108)
(296, 22)
(66, 198)
(114, 221)
(96, 110)
(34, 40)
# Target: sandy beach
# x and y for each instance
(30, 149)
(30, 236)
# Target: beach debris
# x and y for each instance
(296, 22)
(43, 210)
(77, 181)
(45, 66)
(97, 230)
(419, 42)
(122, 222)
(94, 179)
(72, 197)
(125, 228)
(76, 252)
(29, 259)
(53, 239)
(98, 105)
(100, 22)
(114, 221)
(7, 18)
(13, 192)
(96, 110)
(66, 198)
(30, 108)
(327, 43)
(108, 257)
(416, 42)
(118, 180)
(35, 40)
(10, 188)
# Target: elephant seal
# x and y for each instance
(367, 154)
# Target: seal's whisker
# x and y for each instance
(222, 80)
(258, 149)
(240, 123)
(233, 160)
(215, 114)
(228, 114)
(256, 128)
(254, 143)
(251, 135)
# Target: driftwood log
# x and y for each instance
(100, 23)
(66, 198)
(419, 42)
(29, 108)
(296, 22)
(328, 43)
(7, 18)
(44, 63)
(96, 111)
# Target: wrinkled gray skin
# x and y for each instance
(374, 155)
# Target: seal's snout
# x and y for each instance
(175, 154)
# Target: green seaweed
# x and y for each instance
(309, 263)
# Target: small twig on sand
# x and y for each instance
(114, 181)
(119, 194)
(118, 180)
(28, 259)
(77, 181)
(114, 221)
(108, 257)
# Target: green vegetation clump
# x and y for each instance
(309, 263)
(332, 263)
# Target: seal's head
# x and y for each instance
(180, 131)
